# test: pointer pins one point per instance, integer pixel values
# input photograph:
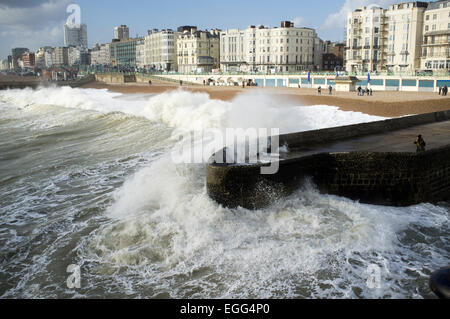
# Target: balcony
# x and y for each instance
(438, 32)
(436, 43)
(437, 56)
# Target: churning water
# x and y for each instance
(86, 178)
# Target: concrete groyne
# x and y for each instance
(372, 162)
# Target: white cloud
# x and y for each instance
(30, 17)
(31, 25)
(338, 19)
(300, 22)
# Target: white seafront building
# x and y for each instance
(405, 37)
(197, 51)
(385, 39)
(4, 65)
(101, 54)
(140, 53)
(160, 48)
(436, 37)
(261, 49)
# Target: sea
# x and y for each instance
(88, 182)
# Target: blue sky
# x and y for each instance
(35, 23)
(204, 14)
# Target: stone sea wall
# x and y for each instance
(397, 179)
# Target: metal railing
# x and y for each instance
(162, 75)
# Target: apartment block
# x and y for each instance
(75, 35)
(40, 55)
(161, 50)
(404, 37)
(197, 51)
(408, 36)
(123, 52)
(16, 55)
(436, 37)
(121, 32)
(29, 60)
(4, 65)
(333, 56)
(261, 49)
(60, 56)
(140, 53)
(101, 54)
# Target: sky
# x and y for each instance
(36, 23)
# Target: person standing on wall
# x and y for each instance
(420, 144)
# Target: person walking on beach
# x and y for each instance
(319, 90)
(371, 91)
(445, 90)
(420, 144)
(330, 89)
(440, 90)
(181, 83)
(359, 90)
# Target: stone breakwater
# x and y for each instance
(343, 161)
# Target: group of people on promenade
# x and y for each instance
(443, 90)
(362, 92)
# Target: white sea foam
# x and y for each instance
(193, 111)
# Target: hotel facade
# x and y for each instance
(261, 49)
(409, 36)
(436, 37)
(197, 51)
(160, 49)
(101, 54)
